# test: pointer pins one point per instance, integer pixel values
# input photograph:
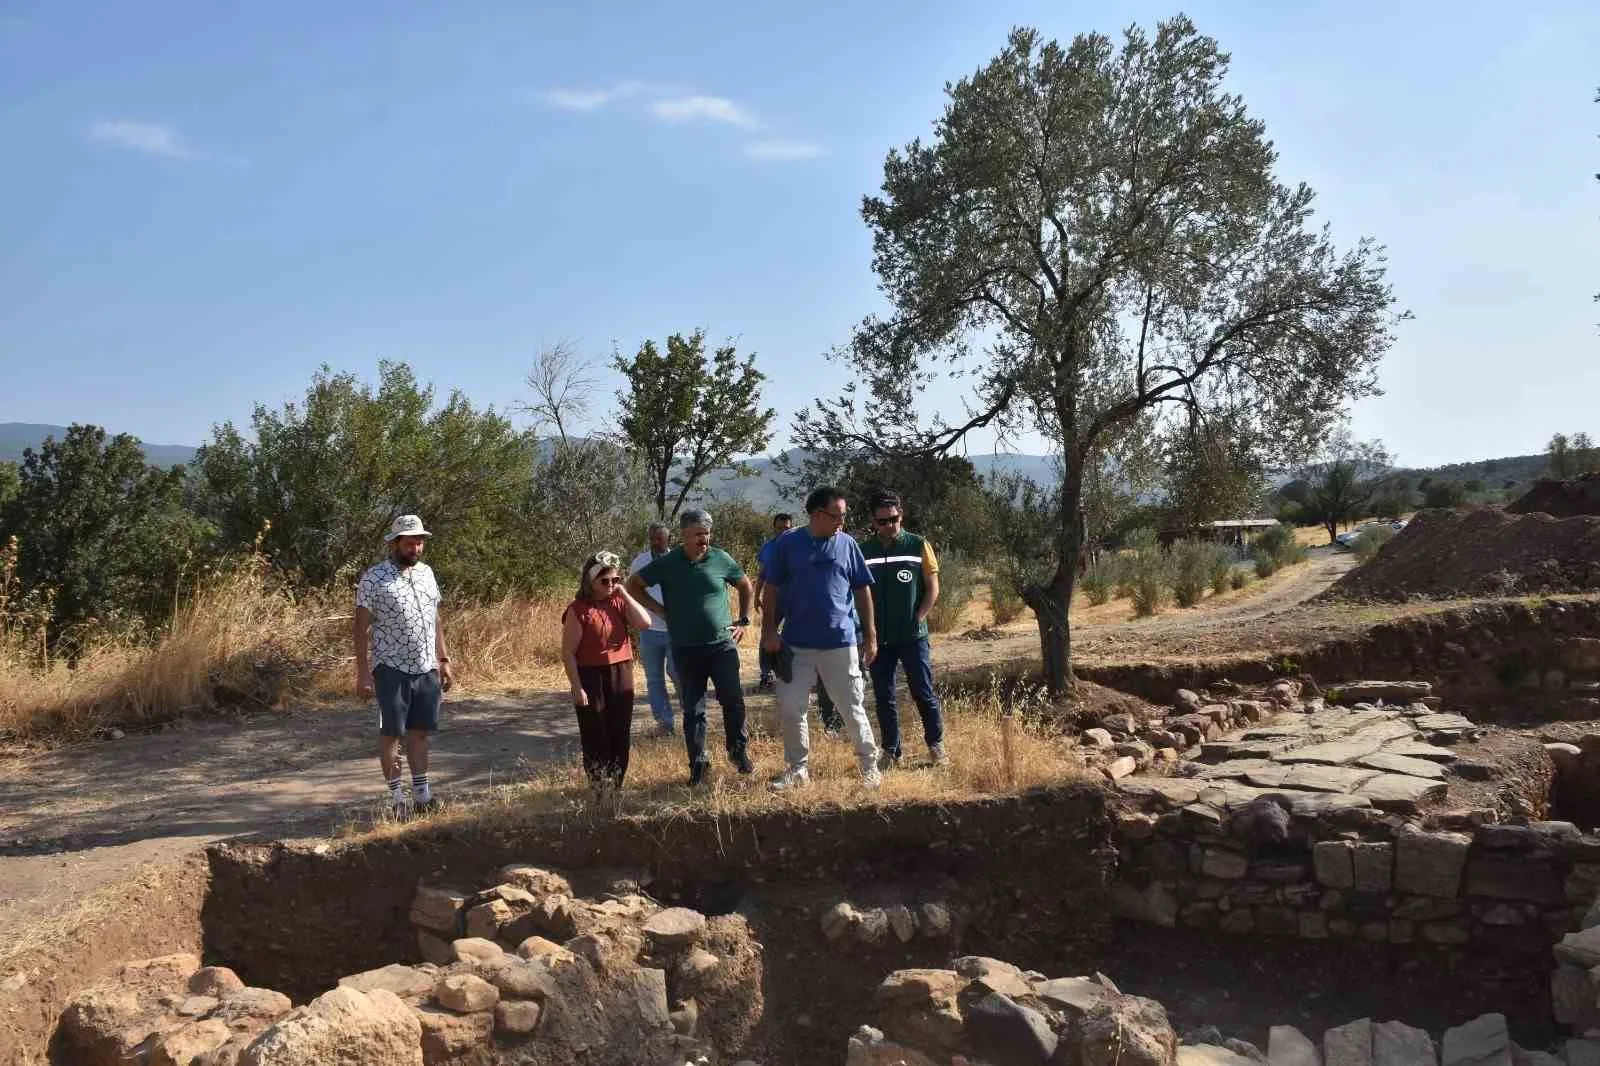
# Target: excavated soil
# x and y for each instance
(1445, 554)
(1568, 498)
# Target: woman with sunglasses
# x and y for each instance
(599, 660)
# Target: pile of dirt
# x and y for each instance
(1559, 498)
(1443, 554)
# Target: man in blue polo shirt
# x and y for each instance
(819, 571)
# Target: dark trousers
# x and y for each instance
(718, 665)
(917, 658)
(605, 727)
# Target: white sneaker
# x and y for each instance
(939, 756)
(872, 777)
(792, 778)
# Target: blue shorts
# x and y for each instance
(406, 702)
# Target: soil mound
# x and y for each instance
(1443, 554)
(1567, 498)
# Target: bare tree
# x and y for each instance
(561, 385)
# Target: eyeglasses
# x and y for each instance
(892, 520)
(837, 516)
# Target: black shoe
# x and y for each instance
(697, 774)
(742, 763)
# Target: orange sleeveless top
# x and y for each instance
(604, 630)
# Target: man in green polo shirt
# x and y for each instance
(694, 579)
(905, 586)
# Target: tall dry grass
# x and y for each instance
(991, 754)
(241, 640)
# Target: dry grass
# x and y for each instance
(242, 641)
(989, 756)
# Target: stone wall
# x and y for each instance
(1544, 654)
(1322, 868)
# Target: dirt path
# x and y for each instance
(80, 817)
(1261, 620)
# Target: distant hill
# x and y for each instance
(17, 436)
(763, 490)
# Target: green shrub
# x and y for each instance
(1149, 572)
(957, 582)
(1219, 566)
(1371, 540)
(1191, 564)
(1239, 578)
(1278, 541)
(1266, 563)
(1004, 598)
(1100, 580)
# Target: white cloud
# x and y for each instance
(148, 137)
(782, 151)
(591, 99)
(698, 108)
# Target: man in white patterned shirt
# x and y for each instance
(400, 657)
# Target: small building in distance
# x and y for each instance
(1235, 532)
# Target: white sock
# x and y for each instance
(420, 793)
(396, 797)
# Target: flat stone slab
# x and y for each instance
(1234, 769)
(1317, 804)
(1480, 1042)
(1399, 1044)
(1365, 741)
(1430, 722)
(1230, 795)
(1417, 749)
(1398, 792)
(1284, 731)
(1174, 791)
(1402, 764)
(1270, 776)
(1311, 777)
(1288, 1046)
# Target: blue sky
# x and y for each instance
(203, 202)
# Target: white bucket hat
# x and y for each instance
(407, 525)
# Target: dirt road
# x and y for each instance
(79, 817)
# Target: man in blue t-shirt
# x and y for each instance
(781, 524)
(818, 571)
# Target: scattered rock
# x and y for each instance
(404, 981)
(1348, 1045)
(920, 1008)
(1288, 1046)
(448, 1037)
(1398, 1044)
(1009, 1031)
(869, 1048)
(1210, 1055)
(1483, 1041)
(517, 1017)
(522, 979)
(342, 1026)
(1127, 1031)
(476, 950)
(466, 993)
(438, 909)
(181, 1047)
(535, 879)
(675, 927)
(214, 981)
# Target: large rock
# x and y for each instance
(1430, 864)
(675, 927)
(1581, 948)
(1390, 692)
(438, 909)
(252, 1007)
(1074, 997)
(1127, 1031)
(523, 979)
(1009, 1032)
(487, 919)
(101, 1026)
(1348, 1045)
(517, 1017)
(1288, 1046)
(1211, 1055)
(181, 1047)
(921, 1008)
(535, 879)
(1483, 1041)
(1333, 863)
(448, 1037)
(1398, 1044)
(214, 981)
(477, 950)
(466, 993)
(407, 982)
(1373, 863)
(342, 1027)
(645, 990)
(1401, 793)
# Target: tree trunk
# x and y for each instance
(1052, 603)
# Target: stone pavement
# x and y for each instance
(1392, 758)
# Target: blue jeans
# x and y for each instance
(656, 651)
(917, 658)
(716, 665)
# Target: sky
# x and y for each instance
(204, 202)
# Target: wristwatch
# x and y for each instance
(743, 622)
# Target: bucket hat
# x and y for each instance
(407, 525)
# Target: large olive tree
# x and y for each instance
(1095, 238)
